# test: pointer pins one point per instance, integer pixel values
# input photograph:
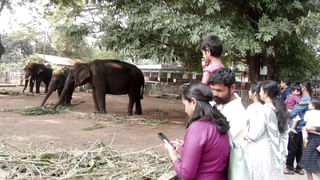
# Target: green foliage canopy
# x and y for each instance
(262, 31)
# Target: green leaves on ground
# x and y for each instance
(41, 110)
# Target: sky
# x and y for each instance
(11, 20)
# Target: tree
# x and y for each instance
(9, 4)
(263, 32)
(3, 3)
(17, 47)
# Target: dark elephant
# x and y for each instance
(57, 84)
(38, 73)
(108, 77)
(31, 81)
(2, 49)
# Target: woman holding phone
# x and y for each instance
(205, 149)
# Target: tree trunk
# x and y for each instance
(271, 64)
(253, 68)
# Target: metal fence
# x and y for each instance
(12, 78)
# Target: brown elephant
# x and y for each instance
(108, 77)
(2, 49)
(38, 73)
(57, 84)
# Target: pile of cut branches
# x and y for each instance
(97, 162)
(41, 110)
(127, 119)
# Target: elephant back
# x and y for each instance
(119, 77)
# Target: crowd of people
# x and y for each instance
(269, 131)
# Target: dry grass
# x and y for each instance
(97, 162)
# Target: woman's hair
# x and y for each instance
(272, 89)
(307, 85)
(255, 88)
(316, 102)
(213, 44)
(203, 95)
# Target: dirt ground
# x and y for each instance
(66, 130)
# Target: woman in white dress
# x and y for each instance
(264, 149)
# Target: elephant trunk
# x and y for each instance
(25, 85)
(68, 84)
(51, 89)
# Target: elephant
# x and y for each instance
(57, 84)
(31, 81)
(2, 49)
(108, 76)
(39, 73)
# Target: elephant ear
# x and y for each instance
(84, 74)
(40, 70)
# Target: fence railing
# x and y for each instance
(12, 78)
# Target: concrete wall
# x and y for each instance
(165, 90)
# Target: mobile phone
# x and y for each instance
(163, 137)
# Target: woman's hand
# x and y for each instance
(177, 145)
(171, 150)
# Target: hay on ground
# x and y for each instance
(97, 162)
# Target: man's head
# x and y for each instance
(284, 83)
(223, 84)
(212, 44)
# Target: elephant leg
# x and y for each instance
(138, 106)
(59, 92)
(95, 100)
(69, 97)
(130, 105)
(101, 101)
(38, 86)
(31, 85)
(46, 89)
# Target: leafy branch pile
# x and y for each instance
(127, 119)
(10, 92)
(41, 110)
(99, 161)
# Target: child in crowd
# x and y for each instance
(291, 101)
(211, 49)
(294, 98)
(311, 157)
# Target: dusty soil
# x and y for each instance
(66, 130)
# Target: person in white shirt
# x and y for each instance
(223, 84)
(311, 155)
